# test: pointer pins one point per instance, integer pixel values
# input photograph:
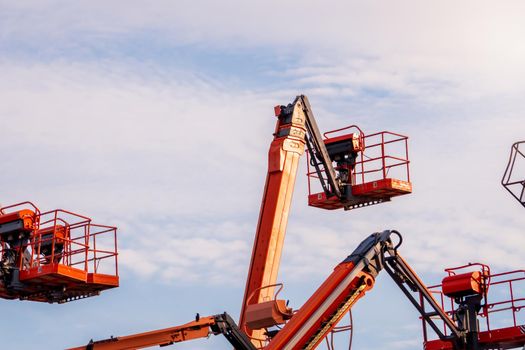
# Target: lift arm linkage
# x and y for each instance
(349, 282)
(202, 327)
(409, 282)
(351, 279)
(316, 145)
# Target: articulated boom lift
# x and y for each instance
(349, 178)
(342, 186)
(351, 170)
(457, 329)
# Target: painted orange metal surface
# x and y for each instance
(283, 161)
(101, 280)
(384, 187)
(380, 189)
(50, 274)
(162, 337)
(267, 314)
(27, 217)
(320, 314)
(60, 255)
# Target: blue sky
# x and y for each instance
(156, 118)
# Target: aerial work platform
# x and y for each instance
(55, 256)
(500, 313)
(375, 168)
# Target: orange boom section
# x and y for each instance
(349, 282)
(283, 161)
(321, 313)
(201, 327)
(55, 256)
(162, 337)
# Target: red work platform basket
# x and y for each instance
(381, 170)
(501, 317)
(55, 256)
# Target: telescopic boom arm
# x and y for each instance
(295, 127)
(202, 327)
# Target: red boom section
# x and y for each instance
(55, 256)
(501, 317)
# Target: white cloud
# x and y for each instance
(158, 156)
(140, 155)
(149, 142)
(182, 261)
(473, 46)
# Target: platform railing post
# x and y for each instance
(86, 246)
(94, 253)
(406, 158)
(116, 251)
(383, 154)
(363, 166)
(512, 303)
(424, 323)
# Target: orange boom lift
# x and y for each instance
(346, 170)
(348, 179)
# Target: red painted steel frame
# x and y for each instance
(371, 178)
(509, 333)
(162, 337)
(63, 259)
